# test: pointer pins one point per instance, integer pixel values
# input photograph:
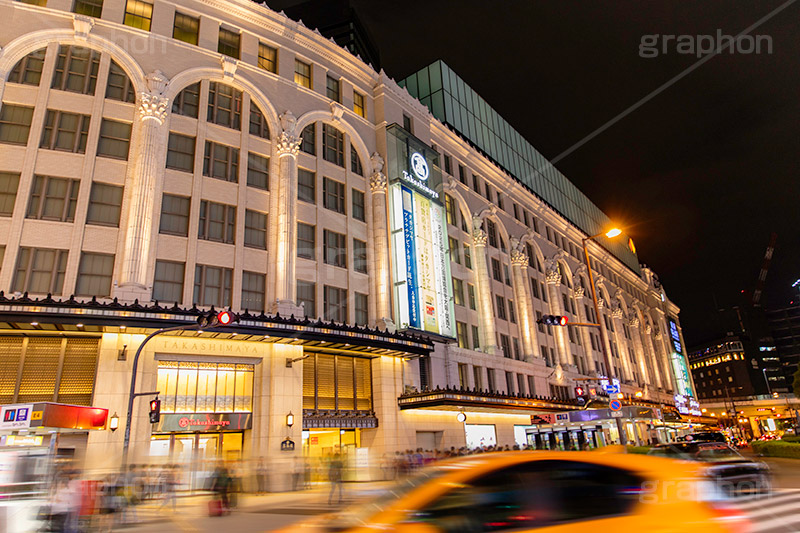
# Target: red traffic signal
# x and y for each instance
(155, 411)
(553, 320)
(579, 391)
(225, 317)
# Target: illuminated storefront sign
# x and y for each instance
(421, 265)
(204, 422)
(683, 383)
(21, 440)
(687, 405)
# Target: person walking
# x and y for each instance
(261, 476)
(335, 468)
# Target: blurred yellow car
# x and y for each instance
(544, 492)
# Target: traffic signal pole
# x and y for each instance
(133, 394)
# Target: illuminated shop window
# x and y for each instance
(191, 387)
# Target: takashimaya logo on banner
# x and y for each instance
(419, 166)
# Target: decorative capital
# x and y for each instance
(601, 303)
(82, 25)
(633, 321)
(578, 292)
(157, 82)
(648, 329)
(337, 112)
(479, 237)
(616, 313)
(229, 65)
(657, 335)
(552, 277)
(519, 257)
(378, 182)
(153, 107)
(288, 144)
(377, 162)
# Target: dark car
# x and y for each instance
(734, 474)
(704, 436)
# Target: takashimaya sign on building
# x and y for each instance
(420, 260)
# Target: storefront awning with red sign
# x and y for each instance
(50, 415)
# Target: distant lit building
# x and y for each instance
(722, 370)
(390, 251)
(784, 324)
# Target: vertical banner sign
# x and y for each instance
(682, 380)
(441, 261)
(410, 255)
(427, 285)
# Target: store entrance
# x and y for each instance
(198, 454)
(320, 445)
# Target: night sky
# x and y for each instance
(699, 176)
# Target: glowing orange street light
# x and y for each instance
(613, 232)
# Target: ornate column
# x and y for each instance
(285, 218)
(579, 293)
(381, 275)
(638, 350)
(605, 338)
(553, 281)
(484, 289)
(148, 154)
(650, 354)
(527, 328)
(663, 358)
(622, 345)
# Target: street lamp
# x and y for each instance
(614, 232)
(113, 422)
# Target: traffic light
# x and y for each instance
(592, 393)
(553, 320)
(580, 395)
(155, 411)
(209, 319)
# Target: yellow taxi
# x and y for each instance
(544, 492)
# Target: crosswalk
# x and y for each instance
(777, 513)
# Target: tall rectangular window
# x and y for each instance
(115, 139)
(105, 203)
(267, 58)
(212, 286)
(308, 139)
(221, 162)
(40, 271)
(359, 104)
(334, 248)
(65, 131)
(53, 199)
(491, 233)
(332, 145)
(471, 296)
(476, 337)
(168, 281)
(455, 253)
(501, 307)
(359, 256)
(186, 28)
(90, 8)
(302, 73)
(174, 215)
(94, 275)
(76, 69)
(467, 256)
(359, 212)
(180, 152)
(9, 183)
(462, 174)
(224, 105)
(476, 183)
(217, 222)
(306, 241)
(497, 274)
(408, 124)
(138, 14)
(257, 171)
(506, 274)
(333, 89)
(458, 291)
(451, 214)
(187, 102)
(229, 42)
(307, 297)
(258, 124)
(333, 195)
(255, 229)
(531, 385)
(447, 164)
(355, 162)
(119, 86)
(253, 285)
(477, 374)
(361, 302)
(512, 317)
(463, 372)
(28, 70)
(490, 380)
(461, 335)
(306, 186)
(510, 383)
(335, 303)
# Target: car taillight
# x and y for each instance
(731, 518)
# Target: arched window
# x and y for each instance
(28, 70)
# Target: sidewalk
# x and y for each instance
(192, 511)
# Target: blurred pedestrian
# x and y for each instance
(170, 486)
(335, 467)
(261, 476)
(221, 485)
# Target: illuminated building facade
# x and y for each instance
(160, 158)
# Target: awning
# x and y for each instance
(50, 415)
